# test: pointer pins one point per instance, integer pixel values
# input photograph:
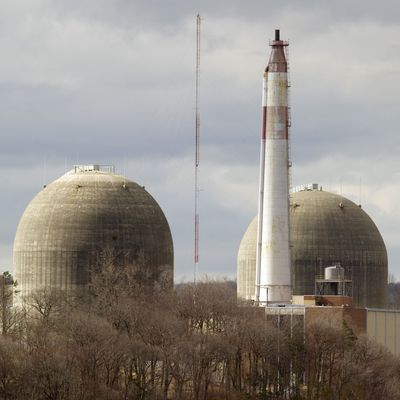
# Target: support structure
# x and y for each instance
(197, 154)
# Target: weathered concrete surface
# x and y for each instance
(85, 218)
(323, 233)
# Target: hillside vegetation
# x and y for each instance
(195, 342)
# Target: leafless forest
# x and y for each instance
(195, 342)
(394, 295)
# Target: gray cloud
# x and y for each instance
(113, 82)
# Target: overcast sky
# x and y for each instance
(112, 82)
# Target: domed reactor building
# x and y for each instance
(326, 229)
(79, 220)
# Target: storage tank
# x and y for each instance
(325, 229)
(89, 216)
(334, 272)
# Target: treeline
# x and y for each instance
(394, 295)
(195, 342)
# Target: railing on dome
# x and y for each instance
(278, 42)
(94, 167)
(300, 188)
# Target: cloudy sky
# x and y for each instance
(112, 82)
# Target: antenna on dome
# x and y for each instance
(44, 178)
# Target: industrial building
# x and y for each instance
(326, 229)
(87, 217)
(310, 255)
(272, 279)
(380, 325)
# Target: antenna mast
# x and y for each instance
(197, 153)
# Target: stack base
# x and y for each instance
(281, 294)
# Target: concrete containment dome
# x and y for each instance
(326, 229)
(90, 215)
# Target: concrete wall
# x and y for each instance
(87, 219)
(322, 234)
(383, 326)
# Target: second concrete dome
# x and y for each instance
(325, 229)
(85, 216)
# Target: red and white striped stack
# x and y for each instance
(273, 278)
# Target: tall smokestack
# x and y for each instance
(273, 278)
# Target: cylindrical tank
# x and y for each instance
(335, 272)
(325, 229)
(89, 216)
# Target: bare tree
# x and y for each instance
(195, 343)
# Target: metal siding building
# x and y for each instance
(380, 326)
(383, 326)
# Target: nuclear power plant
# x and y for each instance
(273, 253)
(306, 248)
(326, 229)
(309, 254)
(87, 217)
(294, 238)
(91, 214)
